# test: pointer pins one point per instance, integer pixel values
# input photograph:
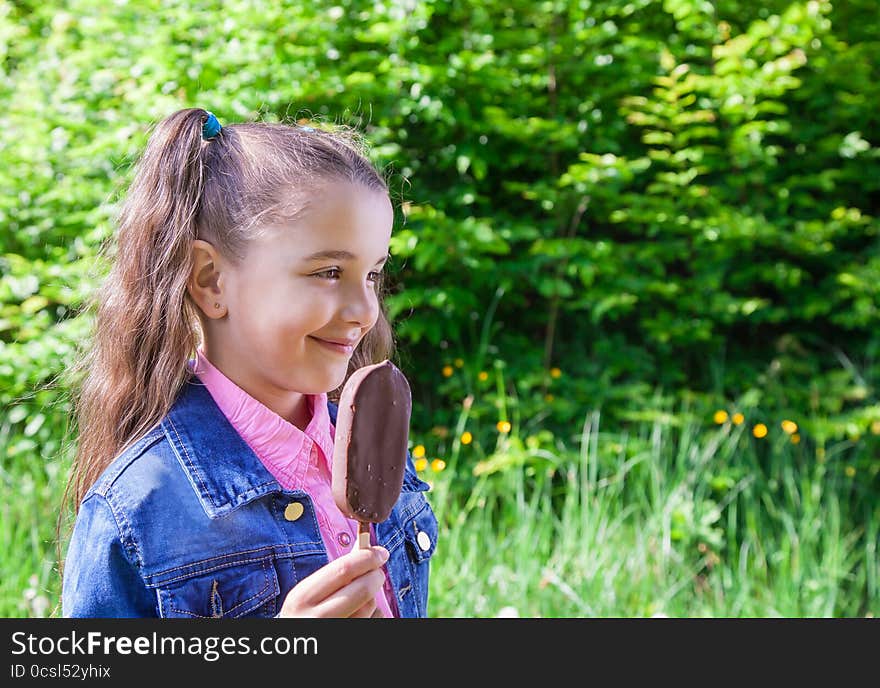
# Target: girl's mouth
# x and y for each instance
(344, 349)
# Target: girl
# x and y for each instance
(246, 287)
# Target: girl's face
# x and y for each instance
(303, 297)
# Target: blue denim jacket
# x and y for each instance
(187, 522)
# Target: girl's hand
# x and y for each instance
(346, 587)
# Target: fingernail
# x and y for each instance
(383, 554)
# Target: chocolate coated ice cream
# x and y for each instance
(372, 433)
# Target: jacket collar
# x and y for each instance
(222, 469)
(284, 449)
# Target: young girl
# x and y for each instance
(246, 287)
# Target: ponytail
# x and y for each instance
(144, 333)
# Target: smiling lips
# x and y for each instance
(340, 346)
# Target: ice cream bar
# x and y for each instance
(369, 453)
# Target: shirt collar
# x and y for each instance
(284, 449)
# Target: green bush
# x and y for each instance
(663, 200)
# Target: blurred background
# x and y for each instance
(635, 274)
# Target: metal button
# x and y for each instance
(424, 540)
(293, 511)
(343, 539)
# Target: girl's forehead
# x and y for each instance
(353, 219)
(337, 201)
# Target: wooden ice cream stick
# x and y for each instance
(363, 535)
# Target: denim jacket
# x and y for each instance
(187, 522)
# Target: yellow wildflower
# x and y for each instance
(438, 465)
(738, 419)
(418, 451)
(795, 438)
(482, 376)
(447, 371)
(760, 430)
(466, 437)
(720, 417)
(458, 363)
(850, 471)
(555, 373)
(503, 426)
(549, 398)
(789, 427)
(421, 464)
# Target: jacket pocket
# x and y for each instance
(235, 591)
(416, 535)
(420, 528)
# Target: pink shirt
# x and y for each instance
(298, 460)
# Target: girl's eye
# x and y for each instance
(331, 273)
(336, 273)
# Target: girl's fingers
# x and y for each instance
(339, 573)
(368, 611)
(353, 597)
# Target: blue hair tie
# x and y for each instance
(211, 127)
(306, 129)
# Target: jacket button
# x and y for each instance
(293, 511)
(424, 540)
(343, 539)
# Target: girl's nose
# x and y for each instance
(361, 305)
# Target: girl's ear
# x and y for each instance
(205, 283)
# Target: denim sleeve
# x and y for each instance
(100, 580)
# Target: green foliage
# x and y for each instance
(665, 200)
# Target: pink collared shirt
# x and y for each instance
(299, 460)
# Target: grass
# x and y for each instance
(663, 517)
(655, 531)
(29, 581)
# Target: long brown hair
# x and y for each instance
(187, 188)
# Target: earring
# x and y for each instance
(216, 305)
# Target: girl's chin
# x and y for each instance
(317, 384)
(335, 378)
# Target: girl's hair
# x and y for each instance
(185, 188)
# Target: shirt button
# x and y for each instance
(293, 511)
(344, 539)
(424, 540)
